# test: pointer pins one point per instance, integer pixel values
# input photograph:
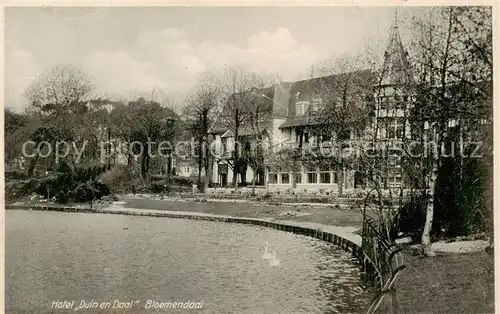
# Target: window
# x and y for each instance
(316, 105)
(312, 176)
(186, 169)
(222, 168)
(326, 137)
(273, 178)
(224, 146)
(298, 135)
(324, 175)
(394, 158)
(301, 108)
(285, 178)
(452, 123)
(384, 102)
(394, 181)
(395, 128)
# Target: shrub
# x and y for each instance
(100, 190)
(79, 193)
(183, 181)
(158, 187)
(62, 197)
(462, 206)
(15, 175)
(410, 219)
(120, 179)
(78, 186)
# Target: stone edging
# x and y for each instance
(330, 237)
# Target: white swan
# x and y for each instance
(266, 255)
(274, 261)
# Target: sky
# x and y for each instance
(128, 51)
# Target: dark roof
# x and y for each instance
(396, 69)
(243, 131)
(307, 90)
(293, 122)
(217, 128)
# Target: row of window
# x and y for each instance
(393, 102)
(304, 137)
(324, 177)
(385, 102)
(311, 177)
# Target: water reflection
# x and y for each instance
(58, 256)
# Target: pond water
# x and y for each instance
(102, 258)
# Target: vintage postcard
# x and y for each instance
(250, 158)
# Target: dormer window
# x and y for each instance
(301, 107)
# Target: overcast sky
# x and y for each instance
(140, 49)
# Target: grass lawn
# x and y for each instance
(325, 215)
(448, 283)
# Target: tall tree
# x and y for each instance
(453, 87)
(346, 111)
(235, 85)
(153, 124)
(256, 142)
(200, 112)
(56, 98)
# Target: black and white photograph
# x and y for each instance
(253, 158)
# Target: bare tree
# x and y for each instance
(345, 91)
(235, 87)
(55, 98)
(256, 143)
(453, 86)
(200, 113)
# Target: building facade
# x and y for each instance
(297, 113)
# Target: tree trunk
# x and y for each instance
(129, 157)
(200, 161)
(208, 170)
(426, 235)
(235, 175)
(109, 150)
(200, 168)
(341, 181)
(266, 174)
(32, 166)
(207, 181)
(244, 168)
(253, 184)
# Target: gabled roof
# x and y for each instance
(330, 85)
